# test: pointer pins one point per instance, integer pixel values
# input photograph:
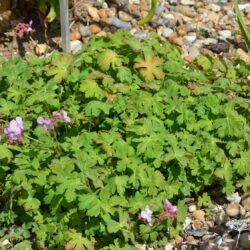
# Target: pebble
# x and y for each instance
(167, 32)
(215, 7)
(187, 2)
(124, 16)
(119, 23)
(189, 39)
(242, 211)
(245, 241)
(210, 41)
(190, 238)
(84, 31)
(103, 14)
(220, 217)
(197, 224)
(141, 247)
(185, 10)
(74, 35)
(234, 198)
(178, 239)
(220, 47)
(94, 29)
(245, 57)
(244, 6)
(228, 244)
(41, 49)
(197, 233)
(169, 246)
(247, 215)
(75, 46)
(225, 34)
(93, 12)
(192, 208)
(233, 209)
(246, 203)
(193, 52)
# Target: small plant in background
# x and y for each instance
(48, 8)
(243, 27)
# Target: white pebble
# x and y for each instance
(75, 46)
(225, 33)
(167, 32)
(192, 208)
(189, 39)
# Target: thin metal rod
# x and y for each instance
(64, 19)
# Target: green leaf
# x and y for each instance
(91, 203)
(107, 59)
(150, 66)
(118, 184)
(78, 242)
(54, 7)
(59, 66)
(91, 89)
(241, 165)
(27, 245)
(204, 62)
(124, 74)
(5, 152)
(94, 108)
(112, 225)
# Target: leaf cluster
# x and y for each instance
(145, 127)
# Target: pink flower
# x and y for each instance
(65, 117)
(60, 116)
(47, 123)
(15, 129)
(169, 208)
(23, 28)
(55, 120)
(146, 215)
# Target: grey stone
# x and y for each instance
(84, 31)
(119, 23)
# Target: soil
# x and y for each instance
(48, 34)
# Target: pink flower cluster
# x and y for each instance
(146, 216)
(54, 121)
(23, 28)
(169, 211)
(15, 129)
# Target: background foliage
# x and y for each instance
(144, 127)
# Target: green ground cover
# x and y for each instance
(88, 141)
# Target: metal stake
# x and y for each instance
(64, 19)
